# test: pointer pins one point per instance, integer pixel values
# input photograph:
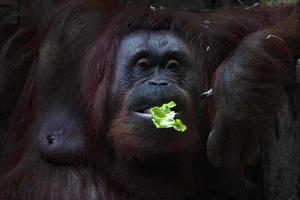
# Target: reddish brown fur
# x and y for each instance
(24, 175)
(248, 87)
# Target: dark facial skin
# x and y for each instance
(151, 69)
(61, 137)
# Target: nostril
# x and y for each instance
(160, 82)
(54, 136)
(50, 139)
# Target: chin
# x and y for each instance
(138, 138)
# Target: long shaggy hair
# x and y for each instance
(24, 175)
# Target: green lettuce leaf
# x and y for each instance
(163, 117)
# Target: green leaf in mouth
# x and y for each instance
(163, 117)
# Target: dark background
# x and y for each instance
(9, 12)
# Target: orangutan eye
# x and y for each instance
(143, 64)
(173, 65)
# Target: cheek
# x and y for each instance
(61, 138)
(121, 84)
(194, 83)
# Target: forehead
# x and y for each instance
(159, 42)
